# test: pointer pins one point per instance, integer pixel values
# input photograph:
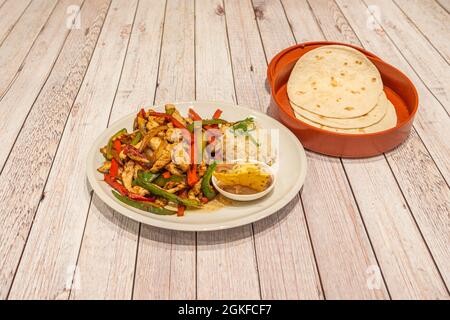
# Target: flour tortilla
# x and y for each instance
(335, 81)
(389, 121)
(375, 115)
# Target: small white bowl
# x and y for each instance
(247, 197)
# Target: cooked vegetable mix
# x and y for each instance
(156, 167)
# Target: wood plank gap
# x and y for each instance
(420, 31)
(445, 7)
(40, 231)
(2, 165)
(345, 173)
(195, 97)
(14, 77)
(418, 227)
(51, 167)
(14, 24)
(313, 249)
(367, 231)
(136, 260)
(404, 57)
(154, 99)
(411, 213)
(300, 197)
(109, 117)
(423, 82)
(237, 102)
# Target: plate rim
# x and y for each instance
(179, 226)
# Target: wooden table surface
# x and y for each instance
(376, 228)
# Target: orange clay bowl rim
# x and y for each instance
(398, 126)
(277, 57)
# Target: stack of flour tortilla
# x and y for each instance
(336, 88)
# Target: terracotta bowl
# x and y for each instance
(398, 88)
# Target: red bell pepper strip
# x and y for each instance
(180, 210)
(134, 154)
(123, 191)
(114, 169)
(142, 113)
(113, 183)
(182, 194)
(117, 145)
(194, 115)
(204, 200)
(177, 124)
(138, 197)
(166, 175)
(217, 114)
(192, 177)
(159, 114)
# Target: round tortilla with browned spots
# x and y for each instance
(387, 122)
(366, 120)
(335, 81)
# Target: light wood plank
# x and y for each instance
(424, 59)
(226, 264)
(16, 46)
(108, 252)
(432, 20)
(17, 102)
(50, 256)
(39, 139)
(423, 186)
(285, 258)
(408, 268)
(10, 12)
(339, 240)
(173, 274)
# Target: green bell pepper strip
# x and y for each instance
(206, 122)
(158, 191)
(161, 181)
(109, 146)
(146, 176)
(146, 206)
(136, 138)
(206, 186)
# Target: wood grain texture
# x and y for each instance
(17, 102)
(423, 184)
(39, 140)
(226, 262)
(444, 4)
(50, 256)
(10, 12)
(331, 211)
(423, 58)
(373, 228)
(110, 275)
(16, 46)
(285, 258)
(173, 274)
(407, 266)
(432, 20)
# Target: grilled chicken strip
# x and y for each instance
(195, 190)
(164, 159)
(127, 179)
(177, 188)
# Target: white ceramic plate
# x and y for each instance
(289, 177)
